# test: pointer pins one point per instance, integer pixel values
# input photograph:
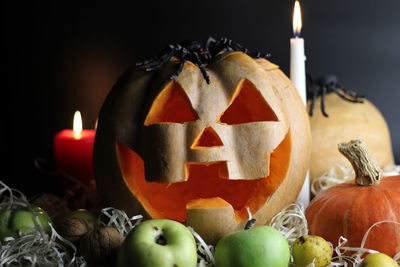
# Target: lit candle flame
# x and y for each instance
(297, 19)
(77, 128)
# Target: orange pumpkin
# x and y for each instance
(202, 153)
(349, 209)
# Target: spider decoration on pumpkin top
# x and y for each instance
(193, 51)
(325, 85)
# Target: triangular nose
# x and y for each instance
(208, 138)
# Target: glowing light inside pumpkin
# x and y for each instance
(297, 23)
(205, 181)
(247, 105)
(208, 138)
(172, 105)
(77, 127)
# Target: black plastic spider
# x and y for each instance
(324, 86)
(194, 52)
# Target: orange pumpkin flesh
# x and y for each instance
(208, 138)
(172, 105)
(247, 105)
(205, 180)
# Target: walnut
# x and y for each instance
(100, 246)
(73, 229)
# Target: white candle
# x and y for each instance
(297, 57)
(298, 77)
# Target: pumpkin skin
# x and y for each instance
(347, 121)
(201, 153)
(350, 209)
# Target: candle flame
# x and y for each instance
(297, 19)
(77, 127)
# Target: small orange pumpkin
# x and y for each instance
(349, 209)
(202, 153)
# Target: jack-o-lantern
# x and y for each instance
(202, 153)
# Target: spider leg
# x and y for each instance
(234, 46)
(356, 97)
(184, 52)
(314, 94)
(345, 95)
(210, 41)
(146, 61)
(238, 47)
(201, 65)
(223, 44)
(216, 47)
(226, 44)
(162, 61)
(350, 93)
(223, 41)
(324, 89)
(205, 74)
(153, 59)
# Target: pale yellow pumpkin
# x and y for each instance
(203, 153)
(347, 121)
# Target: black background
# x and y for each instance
(64, 55)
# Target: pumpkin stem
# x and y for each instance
(365, 166)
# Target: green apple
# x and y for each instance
(378, 260)
(21, 221)
(158, 243)
(262, 246)
(311, 248)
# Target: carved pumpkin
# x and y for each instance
(201, 153)
(347, 121)
(350, 209)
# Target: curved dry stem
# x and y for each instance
(365, 166)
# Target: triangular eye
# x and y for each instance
(171, 106)
(247, 105)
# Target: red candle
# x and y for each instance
(73, 151)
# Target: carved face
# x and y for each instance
(232, 126)
(210, 146)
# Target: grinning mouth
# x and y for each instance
(215, 169)
(205, 181)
